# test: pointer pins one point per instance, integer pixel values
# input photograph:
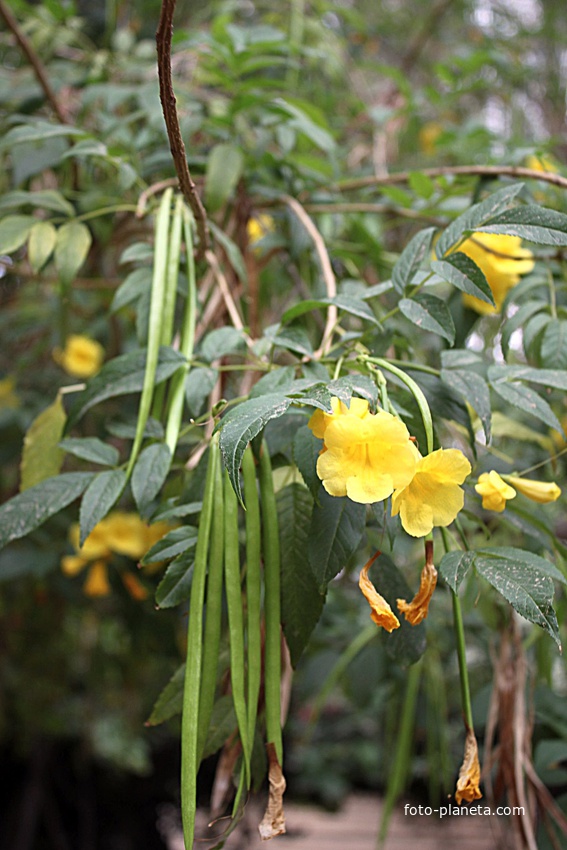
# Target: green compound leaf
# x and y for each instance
(149, 474)
(306, 450)
(30, 509)
(14, 230)
(337, 526)
(474, 217)
(91, 449)
(474, 389)
(241, 424)
(302, 603)
(519, 320)
(170, 701)
(430, 314)
(175, 586)
(73, 243)
(463, 273)
(531, 222)
(525, 580)
(522, 397)
(41, 456)
(556, 378)
(172, 544)
(346, 303)
(134, 285)
(43, 237)
(454, 567)
(553, 348)
(224, 169)
(411, 258)
(100, 496)
(122, 375)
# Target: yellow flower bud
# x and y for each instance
(494, 491)
(538, 491)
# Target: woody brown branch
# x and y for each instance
(457, 171)
(169, 108)
(34, 60)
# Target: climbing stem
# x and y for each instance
(415, 391)
(461, 648)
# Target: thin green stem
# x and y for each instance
(253, 587)
(461, 654)
(461, 648)
(415, 391)
(114, 208)
(272, 604)
(193, 664)
(213, 619)
(400, 768)
(235, 619)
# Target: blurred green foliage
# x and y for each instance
(278, 100)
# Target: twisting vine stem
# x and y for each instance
(169, 107)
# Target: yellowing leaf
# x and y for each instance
(73, 243)
(43, 237)
(41, 457)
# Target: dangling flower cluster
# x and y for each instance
(496, 490)
(119, 533)
(503, 260)
(369, 457)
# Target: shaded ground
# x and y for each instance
(355, 827)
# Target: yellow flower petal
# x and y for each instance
(539, 491)
(503, 260)
(416, 610)
(434, 496)
(381, 613)
(73, 564)
(365, 456)
(126, 534)
(541, 163)
(95, 546)
(469, 774)
(259, 226)
(97, 583)
(82, 357)
(320, 419)
(494, 491)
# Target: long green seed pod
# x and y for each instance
(213, 618)
(169, 294)
(253, 587)
(192, 687)
(235, 619)
(272, 604)
(155, 323)
(177, 392)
